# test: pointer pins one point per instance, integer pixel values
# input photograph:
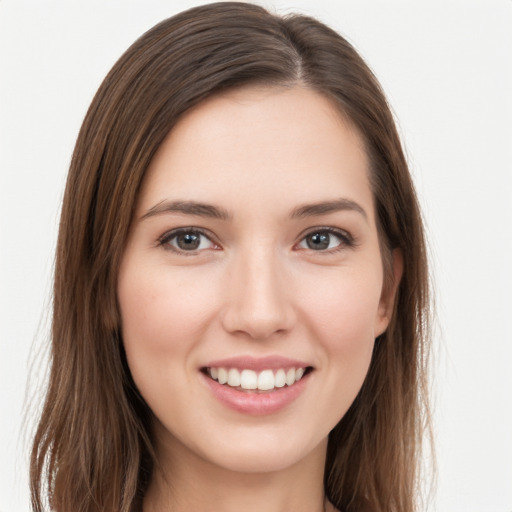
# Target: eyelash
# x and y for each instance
(165, 239)
(346, 240)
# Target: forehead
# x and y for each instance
(279, 144)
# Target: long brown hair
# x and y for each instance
(93, 447)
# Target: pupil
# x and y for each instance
(188, 241)
(318, 241)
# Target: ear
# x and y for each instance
(389, 290)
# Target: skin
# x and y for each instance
(253, 287)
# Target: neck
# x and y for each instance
(187, 482)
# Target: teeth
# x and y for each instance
(233, 378)
(266, 380)
(222, 376)
(280, 379)
(249, 379)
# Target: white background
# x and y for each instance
(447, 69)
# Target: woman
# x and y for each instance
(240, 301)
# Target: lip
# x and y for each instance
(257, 364)
(256, 403)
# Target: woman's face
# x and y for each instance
(253, 257)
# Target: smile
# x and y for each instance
(251, 380)
(257, 386)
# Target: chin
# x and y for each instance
(262, 452)
(251, 459)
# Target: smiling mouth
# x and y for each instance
(251, 381)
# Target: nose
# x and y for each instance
(259, 301)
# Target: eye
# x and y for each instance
(325, 240)
(187, 240)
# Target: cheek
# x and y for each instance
(342, 316)
(344, 306)
(163, 316)
(339, 313)
(156, 306)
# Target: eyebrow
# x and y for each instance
(187, 208)
(215, 212)
(325, 207)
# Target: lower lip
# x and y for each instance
(256, 404)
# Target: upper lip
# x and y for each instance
(273, 362)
